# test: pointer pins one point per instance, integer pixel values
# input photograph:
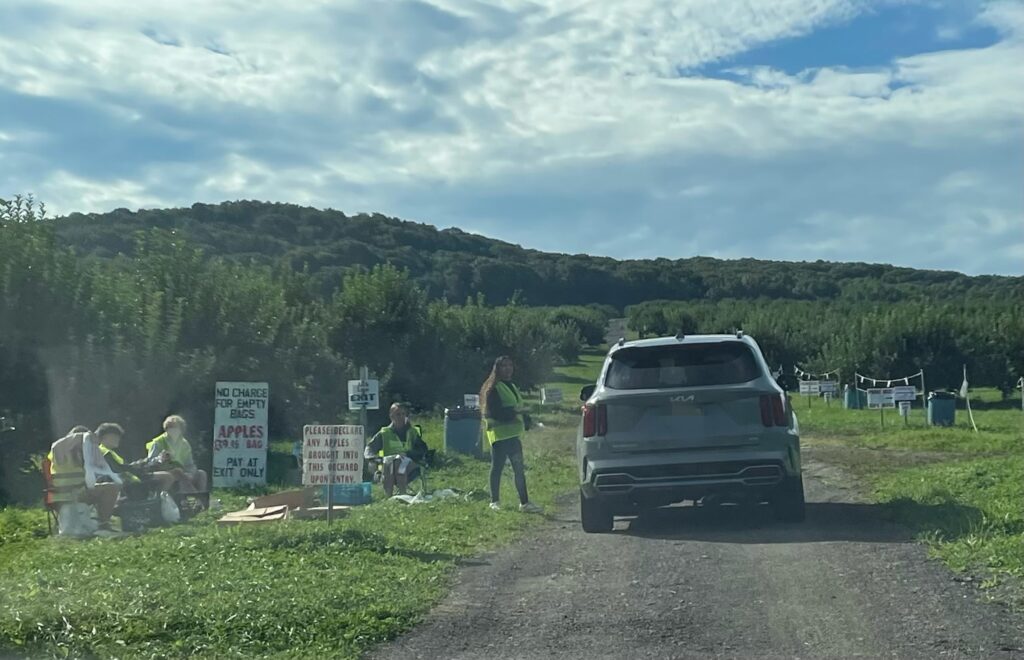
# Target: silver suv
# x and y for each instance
(686, 418)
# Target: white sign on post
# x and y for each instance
(332, 455)
(363, 393)
(880, 397)
(810, 387)
(550, 395)
(240, 436)
(904, 393)
(828, 386)
(471, 401)
(904, 408)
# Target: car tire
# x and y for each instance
(596, 518)
(788, 502)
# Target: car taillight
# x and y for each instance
(779, 410)
(773, 410)
(766, 410)
(595, 420)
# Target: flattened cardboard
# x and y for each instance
(293, 499)
(249, 516)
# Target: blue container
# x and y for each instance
(349, 494)
(462, 431)
(941, 408)
(854, 399)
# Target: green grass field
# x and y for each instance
(292, 589)
(961, 491)
(301, 589)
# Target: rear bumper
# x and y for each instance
(667, 478)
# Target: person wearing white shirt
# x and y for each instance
(102, 484)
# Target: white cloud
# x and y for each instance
(71, 192)
(513, 114)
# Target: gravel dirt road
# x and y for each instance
(718, 582)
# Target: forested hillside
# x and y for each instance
(453, 264)
(131, 316)
(136, 338)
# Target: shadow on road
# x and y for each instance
(826, 521)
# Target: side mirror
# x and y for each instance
(587, 392)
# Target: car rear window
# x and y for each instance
(685, 365)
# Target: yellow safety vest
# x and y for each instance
(68, 480)
(108, 452)
(392, 442)
(510, 398)
(180, 453)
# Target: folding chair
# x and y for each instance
(52, 508)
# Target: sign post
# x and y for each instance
(881, 398)
(363, 395)
(332, 455)
(905, 412)
(240, 436)
(829, 389)
(810, 388)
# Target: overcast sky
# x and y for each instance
(851, 130)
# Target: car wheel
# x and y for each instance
(788, 502)
(596, 518)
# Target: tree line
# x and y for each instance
(130, 316)
(84, 340)
(453, 264)
(880, 340)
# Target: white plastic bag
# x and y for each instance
(75, 520)
(168, 509)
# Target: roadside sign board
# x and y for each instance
(880, 397)
(904, 393)
(240, 436)
(363, 393)
(550, 395)
(332, 455)
(828, 386)
(471, 401)
(904, 408)
(810, 387)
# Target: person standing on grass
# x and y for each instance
(506, 422)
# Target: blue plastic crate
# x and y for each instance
(349, 494)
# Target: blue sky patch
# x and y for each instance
(871, 40)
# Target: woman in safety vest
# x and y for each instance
(398, 446)
(170, 455)
(506, 422)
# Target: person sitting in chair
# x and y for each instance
(137, 482)
(397, 447)
(169, 455)
(80, 473)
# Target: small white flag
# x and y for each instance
(963, 388)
